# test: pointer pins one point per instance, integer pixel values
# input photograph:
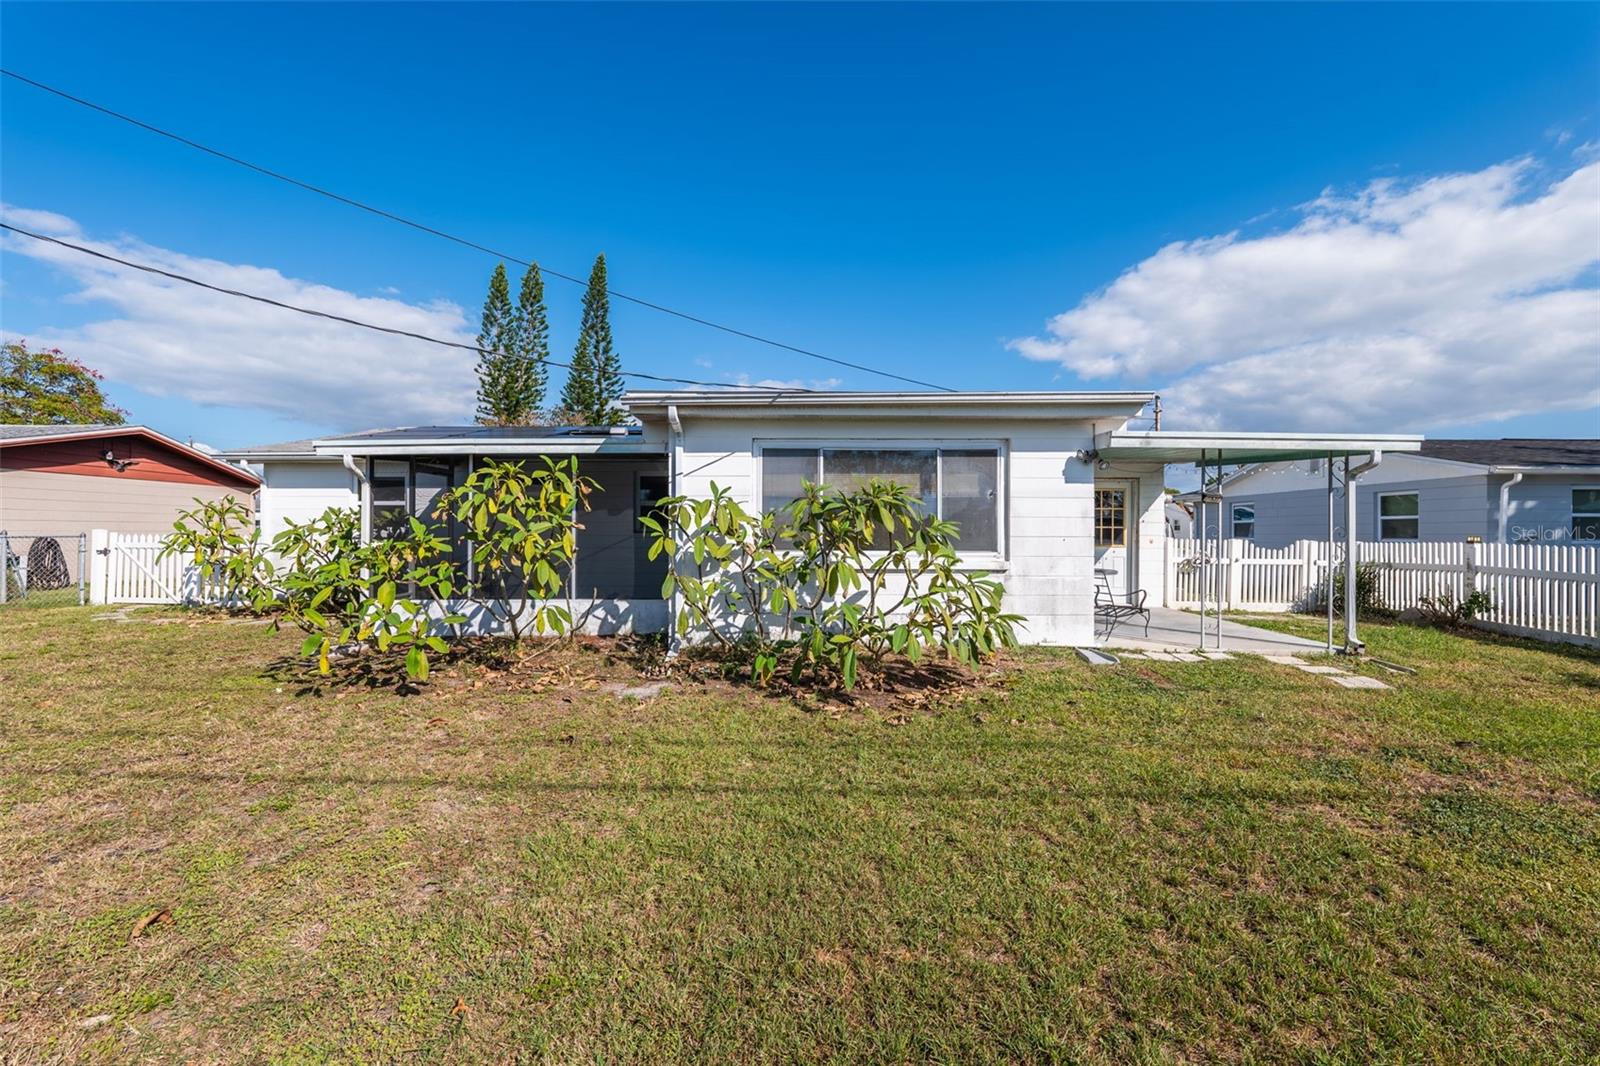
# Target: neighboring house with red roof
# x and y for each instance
(65, 480)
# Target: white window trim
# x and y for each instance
(1377, 507)
(1573, 514)
(997, 560)
(1232, 519)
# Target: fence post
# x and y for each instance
(1235, 574)
(1469, 573)
(99, 564)
(83, 562)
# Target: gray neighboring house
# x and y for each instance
(1516, 490)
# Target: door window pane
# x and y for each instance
(971, 497)
(1110, 518)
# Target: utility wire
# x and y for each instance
(358, 322)
(463, 241)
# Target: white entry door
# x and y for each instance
(1114, 513)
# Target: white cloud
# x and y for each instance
(743, 381)
(168, 337)
(1461, 298)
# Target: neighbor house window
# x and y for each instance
(960, 485)
(1586, 514)
(1110, 518)
(1397, 516)
(1242, 519)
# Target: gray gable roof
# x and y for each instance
(1516, 451)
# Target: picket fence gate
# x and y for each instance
(1549, 591)
(129, 568)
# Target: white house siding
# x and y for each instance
(1049, 548)
(300, 490)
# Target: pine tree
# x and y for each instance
(530, 344)
(594, 384)
(496, 392)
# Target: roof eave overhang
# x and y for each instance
(1530, 468)
(997, 405)
(1238, 448)
(334, 449)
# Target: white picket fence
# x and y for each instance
(128, 568)
(1549, 591)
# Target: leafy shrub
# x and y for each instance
(1369, 597)
(831, 582)
(326, 583)
(1449, 612)
(524, 529)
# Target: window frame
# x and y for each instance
(999, 559)
(1377, 508)
(1573, 514)
(1233, 520)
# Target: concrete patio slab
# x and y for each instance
(1179, 631)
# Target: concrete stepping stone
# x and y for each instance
(1214, 655)
(1356, 681)
(1161, 656)
(1187, 657)
(1315, 668)
(1283, 660)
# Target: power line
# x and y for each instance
(463, 241)
(148, 269)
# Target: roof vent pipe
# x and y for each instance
(1505, 502)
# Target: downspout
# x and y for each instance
(349, 462)
(674, 441)
(1505, 502)
(1352, 646)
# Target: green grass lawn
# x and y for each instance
(1157, 862)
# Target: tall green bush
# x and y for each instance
(834, 581)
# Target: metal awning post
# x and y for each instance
(1327, 576)
(1204, 551)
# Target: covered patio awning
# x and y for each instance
(1213, 451)
(1229, 448)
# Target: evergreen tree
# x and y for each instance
(594, 384)
(530, 344)
(496, 387)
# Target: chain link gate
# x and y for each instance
(44, 569)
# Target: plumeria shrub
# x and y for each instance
(522, 524)
(320, 578)
(833, 582)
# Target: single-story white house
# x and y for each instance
(1517, 490)
(1052, 490)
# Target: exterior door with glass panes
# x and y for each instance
(1113, 512)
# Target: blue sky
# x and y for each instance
(920, 188)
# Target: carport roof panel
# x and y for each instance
(1232, 448)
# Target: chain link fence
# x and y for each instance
(43, 570)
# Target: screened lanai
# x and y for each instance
(1347, 457)
(403, 473)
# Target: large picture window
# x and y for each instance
(1398, 516)
(958, 484)
(1586, 514)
